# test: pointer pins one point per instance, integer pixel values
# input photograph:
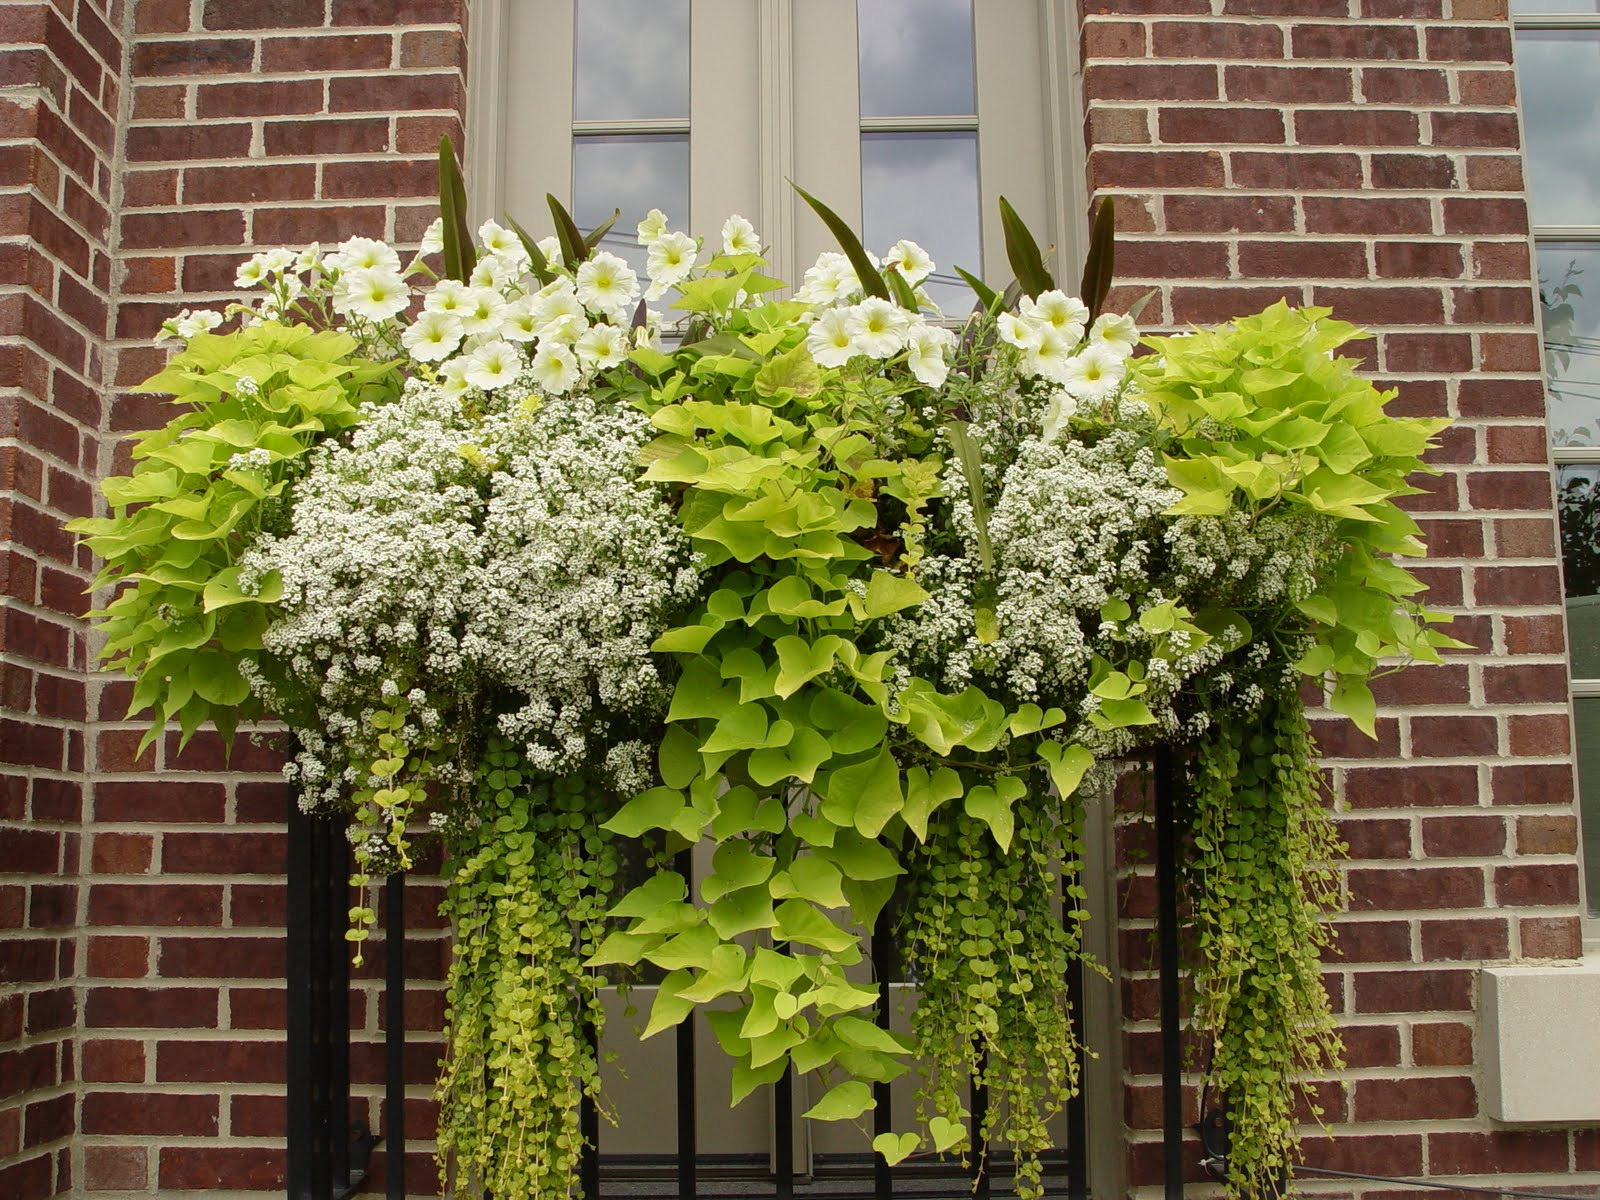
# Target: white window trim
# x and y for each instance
(1563, 456)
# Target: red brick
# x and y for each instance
(234, 1061)
(1164, 81)
(212, 1168)
(1224, 214)
(1506, 586)
(1431, 352)
(1408, 787)
(1155, 169)
(1441, 1044)
(1472, 129)
(1373, 941)
(119, 957)
(151, 1008)
(116, 1168)
(1388, 216)
(1216, 39)
(1301, 259)
(1545, 634)
(327, 52)
(122, 853)
(1298, 85)
(193, 56)
(1382, 305)
(195, 228)
(1551, 937)
(1355, 127)
(179, 143)
(1462, 939)
(1468, 43)
(1510, 490)
(1355, 40)
(389, 178)
(1502, 398)
(1404, 85)
(1517, 444)
(161, 802)
(1294, 171)
(395, 93)
(224, 853)
(261, 14)
(1536, 883)
(222, 958)
(1535, 734)
(1487, 87)
(318, 138)
(1501, 260)
(271, 98)
(1219, 126)
(1213, 304)
(398, 12)
(1525, 683)
(1498, 1151)
(155, 904)
(447, 48)
(161, 1114)
(1429, 1099)
(1547, 834)
(111, 1061)
(1396, 888)
(1532, 783)
(1493, 305)
(1463, 836)
(1376, 838)
(1371, 1045)
(1414, 172)
(248, 185)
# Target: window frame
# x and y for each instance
(1564, 456)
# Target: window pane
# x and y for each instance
(634, 173)
(1559, 72)
(916, 58)
(1586, 717)
(631, 59)
(1578, 505)
(924, 186)
(1523, 8)
(1569, 294)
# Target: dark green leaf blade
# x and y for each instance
(986, 295)
(871, 280)
(573, 250)
(1098, 267)
(459, 255)
(540, 264)
(1023, 252)
(592, 238)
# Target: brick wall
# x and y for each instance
(250, 123)
(60, 75)
(1364, 155)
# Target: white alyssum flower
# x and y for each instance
(670, 260)
(493, 365)
(877, 327)
(829, 340)
(739, 236)
(927, 349)
(652, 227)
(432, 337)
(606, 284)
(911, 260)
(555, 368)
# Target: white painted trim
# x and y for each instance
(488, 60)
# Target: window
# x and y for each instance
(1558, 66)
(908, 117)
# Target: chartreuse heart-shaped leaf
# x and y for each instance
(895, 1146)
(844, 1102)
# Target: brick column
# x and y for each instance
(60, 87)
(250, 124)
(1363, 154)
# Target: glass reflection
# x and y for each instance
(635, 173)
(1569, 295)
(1559, 74)
(924, 186)
(1524, 8)
(1586, 722)
(631, 59)
(916, 58)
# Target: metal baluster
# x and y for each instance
(298, 1033)
(1166, 784)
(1077, 1106)
(394, 1038)
(320, 1050)
(980, 1144)
(783, 1122)
(337, 952)
(882, 1117)
(589, 1127)
(686, 1114)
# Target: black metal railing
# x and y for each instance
(327, 1157)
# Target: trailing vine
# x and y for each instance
(531, 878)
(1259, 882)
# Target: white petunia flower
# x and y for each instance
(501, 243)
(201, 320)
(359, 253)
(1061, 312)
(1049, 356)
(652, 227)
(433, 238)
(1018, 331)
(565, 329)
(555, 368)
(279, 260)
(1094, 374)
(556, 300)
(739, 236)
(432, 336)
(482, 311)
(374, 293)
(877, 327)
(911, 260)
(927, 346)
(1057, 412)
(493, 364)
(602, 346)
(829, 340)
(830, 279)
(1116, 332)
(453, 376)
(449, 296)
(252, 272)
(671, 259)
(516, 320)
(494, 271)
(606, 284)
(309, 259)
(550, 247)
(647, 337)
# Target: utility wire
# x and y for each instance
(1449, 1187)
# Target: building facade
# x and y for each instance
(1366, 155)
